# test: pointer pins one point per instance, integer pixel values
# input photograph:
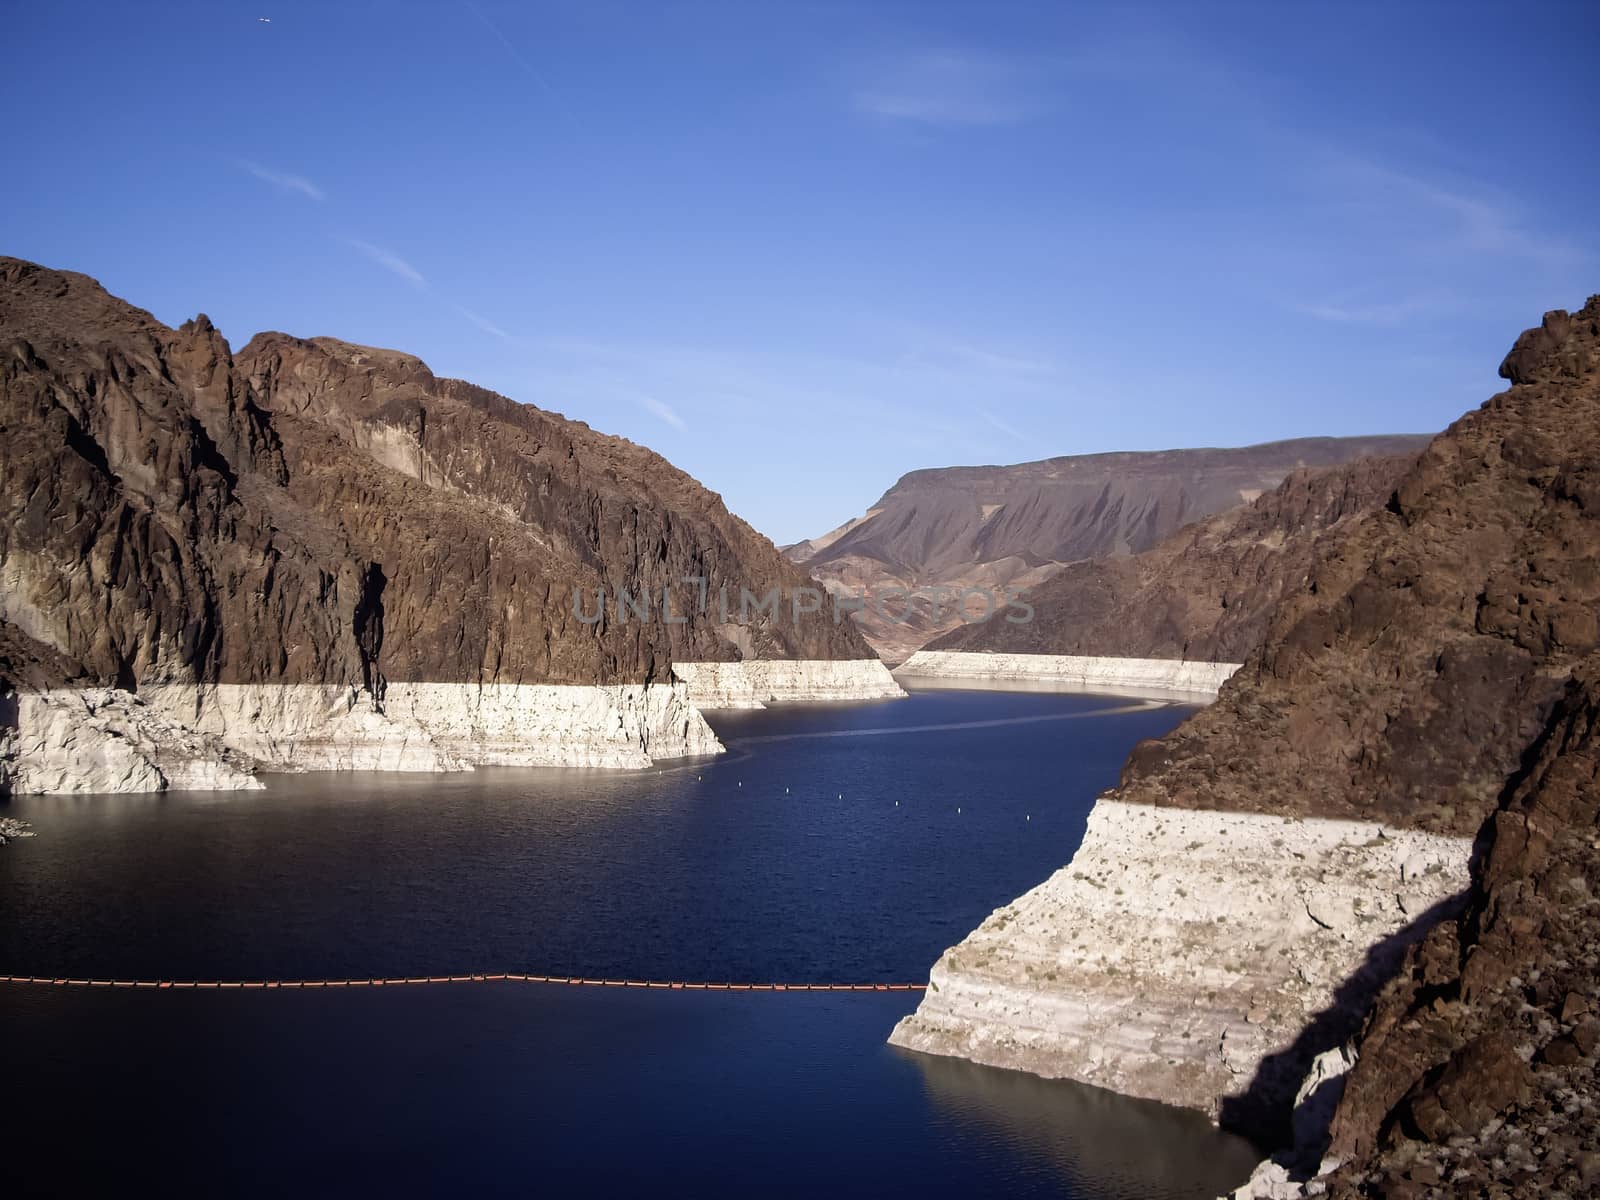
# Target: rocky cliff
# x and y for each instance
(1409, 673)
(1204, 594)
(1479, 1067)
(990, 527)
(313, 514)
(1401, 690)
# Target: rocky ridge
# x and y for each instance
(313, 514)
(1477, 1072)
(1405, 679)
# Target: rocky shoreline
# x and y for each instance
(755, 683)
(1141, 676)
(216, 736)
(1180, 955)
(63, 741)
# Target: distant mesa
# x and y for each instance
(998, 526)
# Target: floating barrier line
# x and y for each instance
(565, 980)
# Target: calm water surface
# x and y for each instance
(831, 844)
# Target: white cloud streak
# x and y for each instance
(953, 88)
(1461, 215)
(283, 181)
(1004, 427)
(389, 261)
(484, 324)
(663, 411)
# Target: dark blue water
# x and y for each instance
(902, 826)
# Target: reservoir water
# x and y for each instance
(838, 844)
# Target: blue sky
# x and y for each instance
(803, 248)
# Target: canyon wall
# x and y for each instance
(324, 523)
(1406, 689)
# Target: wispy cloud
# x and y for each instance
(1004, 427)
(517, 56)
(283, 180)
(389, 261)
(1353, 309)
(1457, 215)
(931, 402)
(484, 324)
(949, 87)
(662, 410)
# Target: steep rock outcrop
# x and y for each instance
(1479, 1067)
(317, 515)
(1406, 678)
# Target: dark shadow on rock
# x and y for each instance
(1265, 1109)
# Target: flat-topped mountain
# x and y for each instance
(1204, 594)
(993, 526)
(310, 513)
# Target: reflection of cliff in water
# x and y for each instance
(1105, 1144)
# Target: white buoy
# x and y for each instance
(958, 812)
(785, 791)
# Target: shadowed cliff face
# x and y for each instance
(1406, 676)
(319, 512)
(989, 527)
(1207, 592)
(1446, 1050)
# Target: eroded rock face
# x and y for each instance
(755, 683)
(1478, 1065)
(107, 740)
(1407, 675)
(1204, 594)
(317, 515)
(1180, 954)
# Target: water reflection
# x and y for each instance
(1102, 1142)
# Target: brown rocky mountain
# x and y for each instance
(326, 516)
(989, 527)
(1207, 592)
(1479, 1068)
(1410, 673)
(310, 510)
